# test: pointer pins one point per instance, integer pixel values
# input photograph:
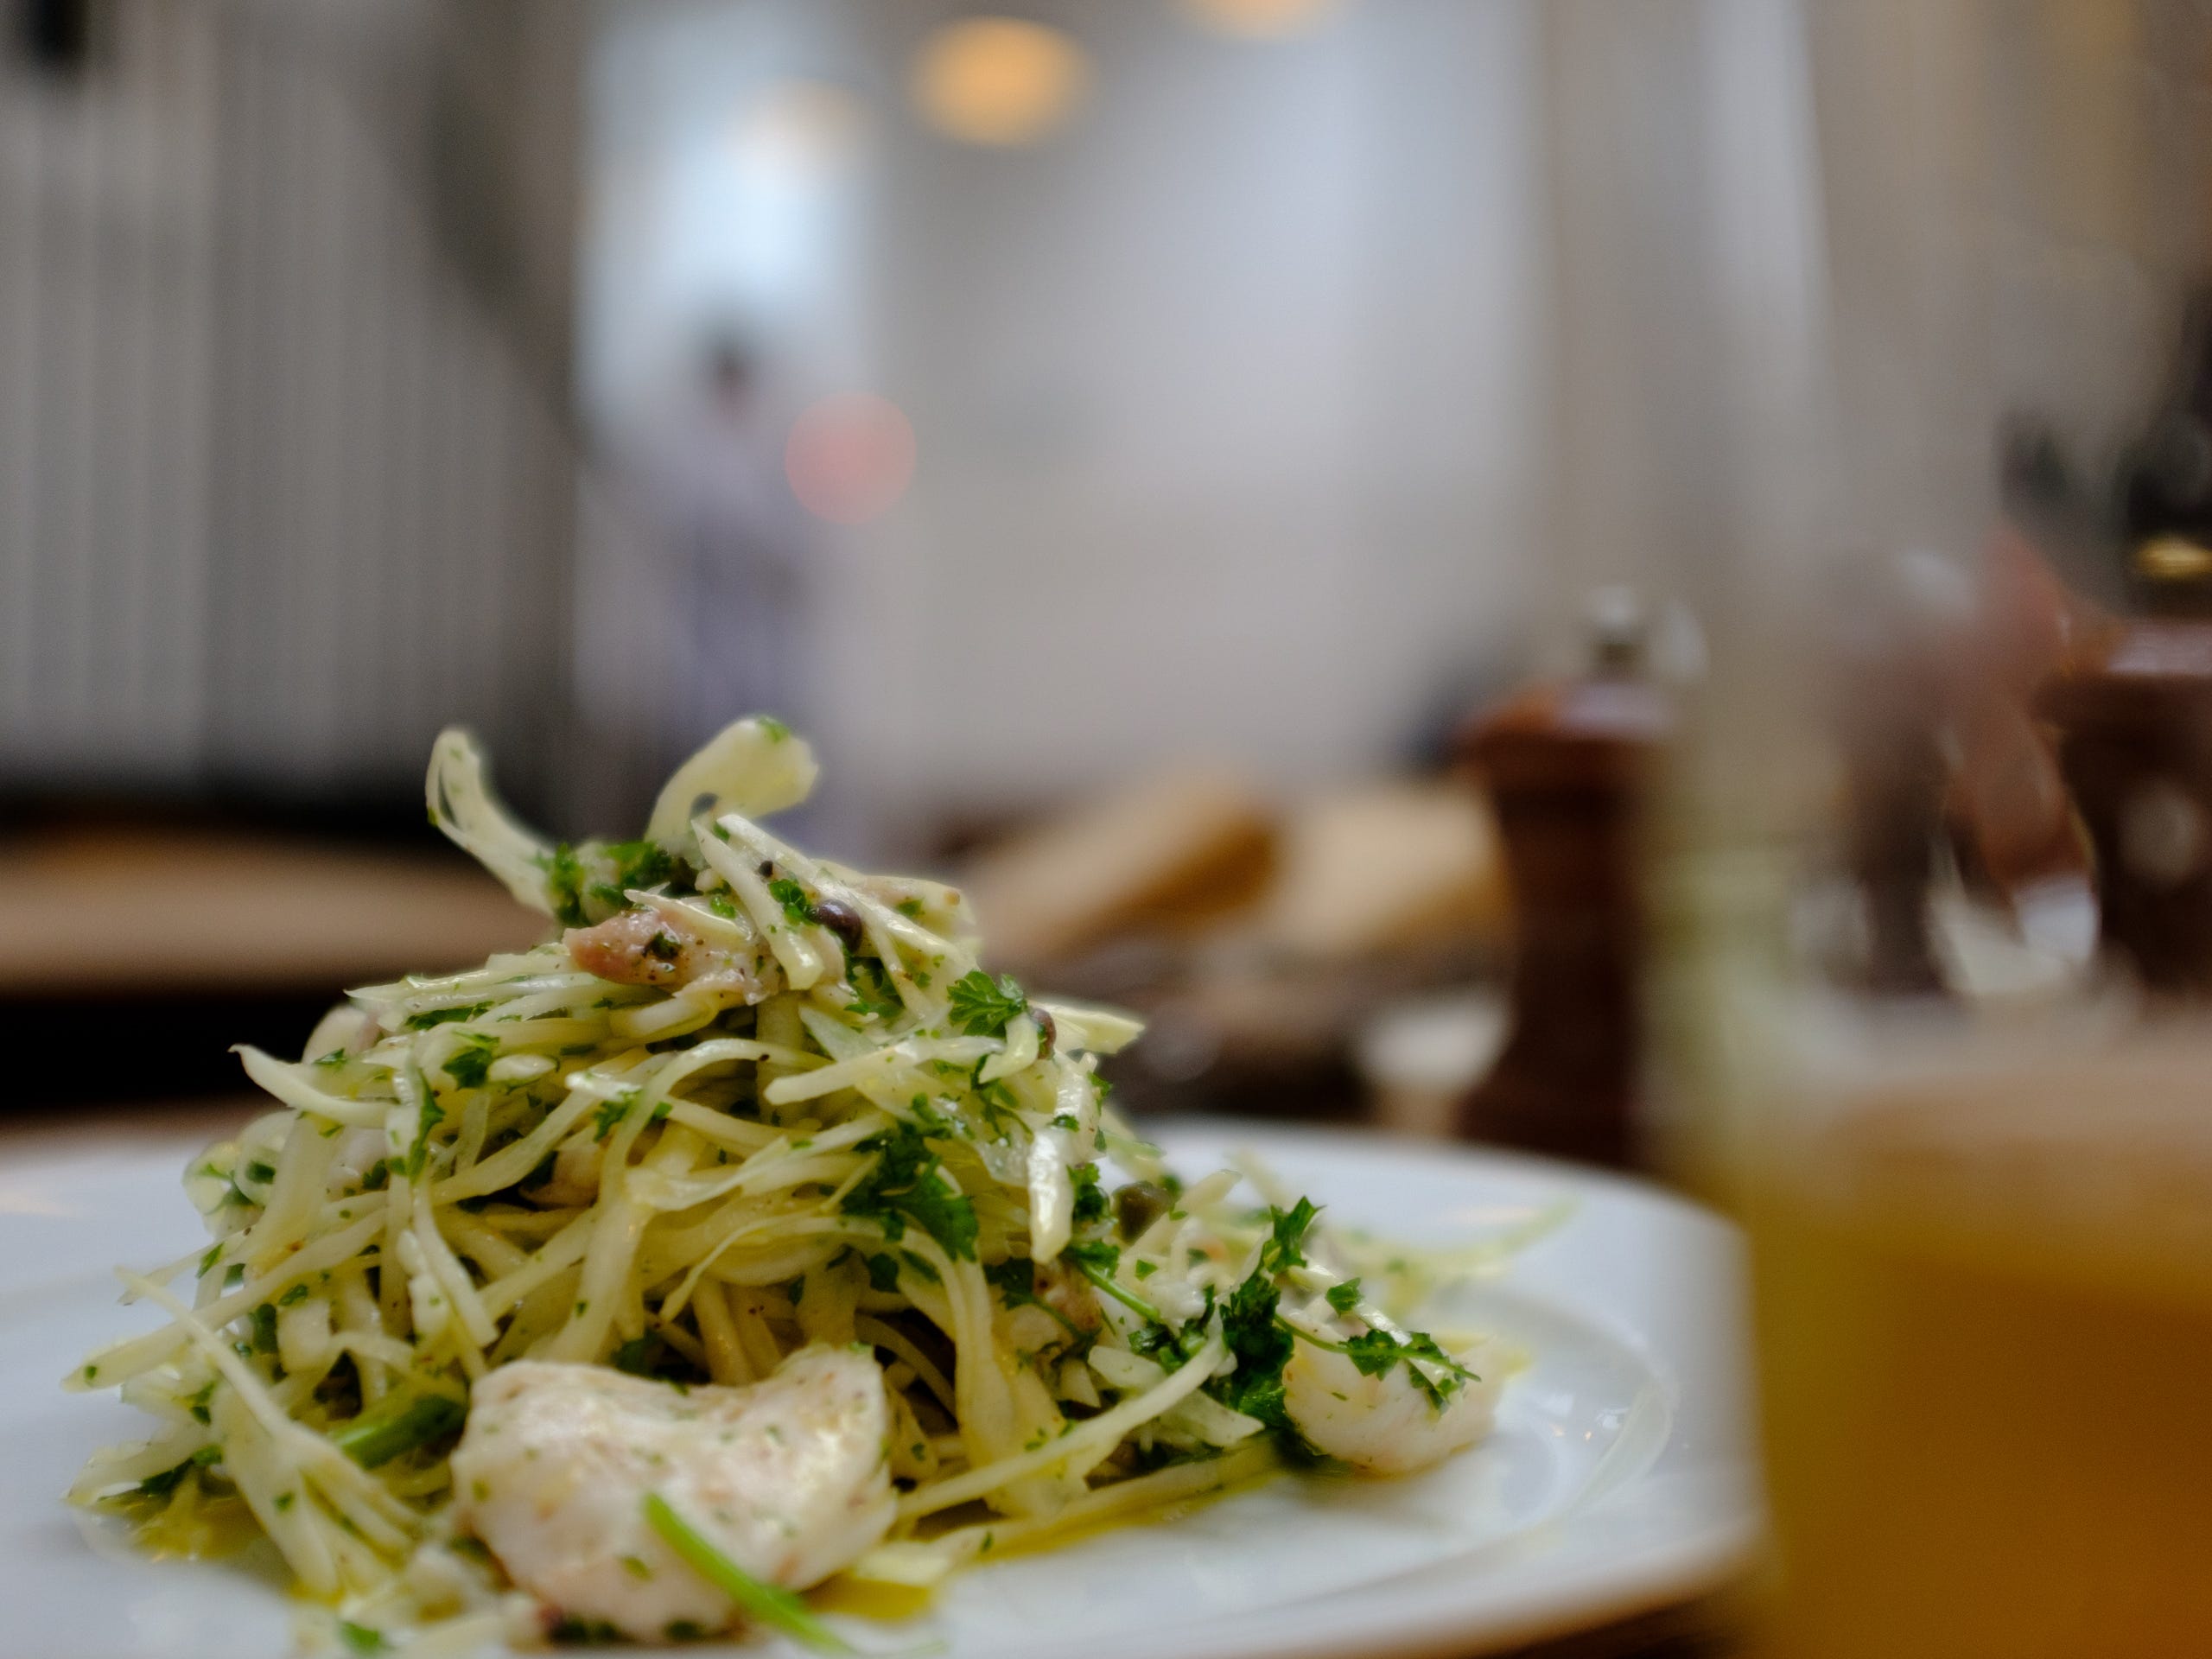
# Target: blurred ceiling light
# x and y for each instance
(997, 81)
(800, 130)
(1260, 20)
(850, 458)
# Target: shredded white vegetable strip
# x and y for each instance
(745, 1102)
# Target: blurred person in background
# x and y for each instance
(709, 465)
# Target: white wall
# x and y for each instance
(1225, 396)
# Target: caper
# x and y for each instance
(1137, 1206)
(843, 920)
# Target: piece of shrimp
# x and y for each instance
(1385, 1424)
(787, 1476)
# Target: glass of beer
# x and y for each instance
(1935, 883)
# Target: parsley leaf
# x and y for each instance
(642, 1356)
(641, 864)
(982, 1008)
(1096, 1262)
(564, 885)
(168, 1480)
(611, 1111)
(445, 1016)
(873, 991)
(1345, 1297)
(432, 1116)
(882, 1273)
(1089, 1257)
(1420, 1345)
(1090, 1198)
(1016, 1278)
(1373, 1351)
(469, 1065)
(1287, 1236)
(798, 909)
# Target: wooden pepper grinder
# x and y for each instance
(1566, 766)
(2135, 742)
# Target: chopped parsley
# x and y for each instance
(1252, 1326)
(612, 1110)
(398, 1423)
(997, 1100)
(1345, 1297)
(430, 1017)
(981, 1006)
(907, 1184)
(359, 1638)
(873, 992)
(641, 864)
(571, 1631)
(882, 1273)
(602, 873)
(564, 885)
(1089, 1197)
(643, 1356)
(1097, 1262)
(1284, 1246)
(1016, 1278)
(432, 1116)
(168, 1480)
(798, 909)
(1375, 1352)
(473, 1062)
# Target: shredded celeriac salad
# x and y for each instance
(748, 1104)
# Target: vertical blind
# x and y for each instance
(284, 484)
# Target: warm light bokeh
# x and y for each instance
(1261, 19)
(998, 81)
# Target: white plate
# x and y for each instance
(1619, 1477)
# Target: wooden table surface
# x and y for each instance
(95, 912)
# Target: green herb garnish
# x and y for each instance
(470, 1065)
(764, 1604)
(398, 1423)
(906, 1183)
(981, 1006)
